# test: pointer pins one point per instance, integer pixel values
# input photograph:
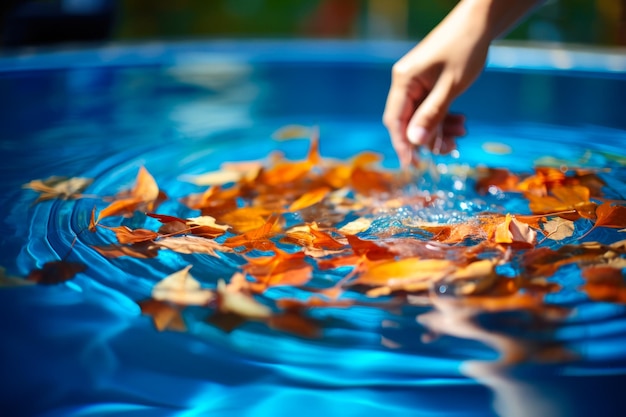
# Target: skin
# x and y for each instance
(445, 63)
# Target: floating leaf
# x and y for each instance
(309, 198)
(514, 231)
(181, 288)
(141, 250)
(191, 244)
(558, 228)
(233, 298)
(59, 187)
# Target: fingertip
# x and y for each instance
(417, 135)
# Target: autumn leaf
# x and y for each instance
(56, 272)
(282, 268)
(564, 199)
(126, 235)
(141, 250)
(191, 244)
(369, 249)
(613, 216)
(234, 298)
(246, 219)
(165, 316)
(558, 228)
(220, 177)
(182, 288)
(256, 238)
(64, 188)
(144, 195)
(310, 236)
(605, 283)
(410, 274)
(513, 231)
(356, 226)
(309, 198)
(500, 178)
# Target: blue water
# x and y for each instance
(83, 348)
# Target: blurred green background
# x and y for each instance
(601, 22)
(37, 22)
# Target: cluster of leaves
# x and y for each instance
(286, 221)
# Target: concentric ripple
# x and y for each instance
(83, 348)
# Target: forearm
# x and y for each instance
(488, 19)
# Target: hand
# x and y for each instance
(425, 82)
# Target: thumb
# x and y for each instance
(430, 113)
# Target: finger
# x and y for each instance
(448, 144)
(396, 117)
(431, 112)
(453, 129)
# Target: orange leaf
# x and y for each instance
(410, 274)
(611, 216)
(164, 315)
(563, 199)
(500, 178)
(309, 198)
(125, 235)
(125, 207)
(311, 237)
(146, 188)
(246, 219)
(256, 238)
(282, 268)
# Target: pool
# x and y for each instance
(90, 346)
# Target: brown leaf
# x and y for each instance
(56, 272)
(164, 315)
(126, 235)
(141, 250)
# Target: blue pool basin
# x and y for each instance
(83, 348)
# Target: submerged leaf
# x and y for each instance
(56, 272)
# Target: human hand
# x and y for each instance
(426, 81)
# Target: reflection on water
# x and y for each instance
(527, 346)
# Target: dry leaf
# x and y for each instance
(182, 288)
(59, 187)
(192, 244)
(558, 228)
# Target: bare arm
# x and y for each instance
(445, 63)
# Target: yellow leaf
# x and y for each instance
(181, 288)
